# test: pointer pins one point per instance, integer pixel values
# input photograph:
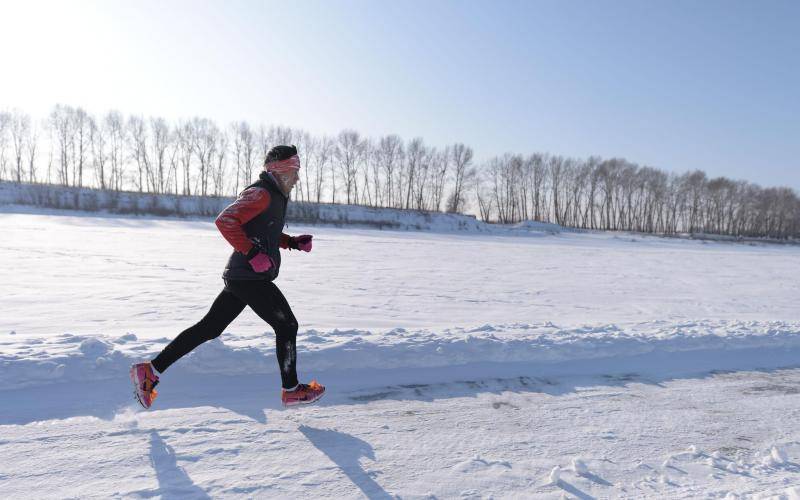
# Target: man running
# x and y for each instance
(253, 225)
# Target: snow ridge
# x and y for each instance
(539, 347)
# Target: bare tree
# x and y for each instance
(581, 172)
(161, 140)
(422, 185)
(461, 156)
(695, 184)
(219, 163)
(31, 146)
(206, 136)
(80, 144)
(98, 148)
(185, 152)
(537, 176)
(415, 156)
(116, 138)
(263, 141)
(593, 163)
(508, 186)
(20, 129)
(61, 125)
(349, 148)
(5, 124)
(363, 186)
(280, 135)
(320, 158)
(556, 169)
(244, 153)
(304, 143)
(483, 197)
(140, 151)
(388, 155)
(372, 159)
(440, 166)
(51, 142)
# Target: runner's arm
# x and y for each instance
(251, 202)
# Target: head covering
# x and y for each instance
(284, 166)
(282, 159)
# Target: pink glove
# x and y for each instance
(261, 263)
(302, 242)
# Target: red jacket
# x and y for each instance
(251, 202)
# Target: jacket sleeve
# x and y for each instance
(251, 202)
(285, 239)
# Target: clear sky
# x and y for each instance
(673, 84)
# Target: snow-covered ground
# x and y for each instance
(458, 364)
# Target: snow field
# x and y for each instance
(154, 277)
(458, 365)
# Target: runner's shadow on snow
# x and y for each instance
(793, 467)
(572, 490)
(173, 482)
(676, 469)
(345, 451)
(250, 395)
(102, 399)
(595, 478)
(247, 396)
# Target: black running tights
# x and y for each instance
(266, 300)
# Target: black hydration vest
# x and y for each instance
(264, 230)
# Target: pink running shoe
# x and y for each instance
(303, 394)
(144, 382)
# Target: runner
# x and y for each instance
(253, 225)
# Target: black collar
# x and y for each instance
(269, 178)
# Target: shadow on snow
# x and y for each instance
(252, 395)
(345, 451)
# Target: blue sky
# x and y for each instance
(677, 85)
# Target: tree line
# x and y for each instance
(615, 194)
(71, 147)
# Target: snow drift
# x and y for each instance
(529, 348)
